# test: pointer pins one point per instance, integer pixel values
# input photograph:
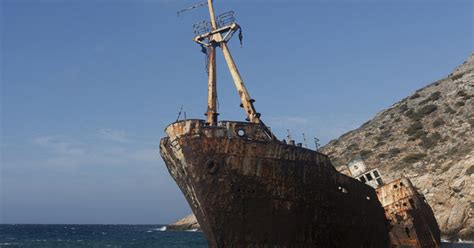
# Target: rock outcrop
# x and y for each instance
(187, 223)
(428, 137)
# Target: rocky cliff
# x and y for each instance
(428, 137)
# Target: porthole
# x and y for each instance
(212, 166)
(240, 132)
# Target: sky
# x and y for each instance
(87, 88)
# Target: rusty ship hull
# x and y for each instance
(412, 221)
(248, 190)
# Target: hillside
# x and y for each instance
(428, 137)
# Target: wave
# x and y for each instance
(459, 241)
(7, 244)
(161, 229)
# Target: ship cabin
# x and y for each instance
(359, 170)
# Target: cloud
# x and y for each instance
(288, 121)
(59, 145)
(145, 155)
(114, 135)
(67, 152)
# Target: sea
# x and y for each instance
(110, 236)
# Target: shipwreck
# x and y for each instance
(247, 188)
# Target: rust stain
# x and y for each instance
(412, 220)
(249, 190)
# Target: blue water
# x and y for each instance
(110, 236)
(92, 236)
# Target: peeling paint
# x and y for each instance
(260, 192)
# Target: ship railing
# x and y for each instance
(225, 19)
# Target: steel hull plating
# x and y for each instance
(249, 191)
(411, 217)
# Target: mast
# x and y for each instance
(212, 89)
(245, 100)
(215, 38)
(212, 84)
(211, 15)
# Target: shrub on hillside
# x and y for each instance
(471, 121)
(352, 146)
(430, 141)
(412, 114)
(449, 110)
(365, 153)
(384, 135)
(460, 104)
(414, 128)
(417, 135)
(414, 96)
(470, 171)
(428, 109)
(365, 124)
(403, 108)
(379, 144)
(458, 76)
(461, 93)
(451, 152)
(438, 122)
(393, 152)
(467, 97)
(382, 155)
(413, 158)
(433, 97)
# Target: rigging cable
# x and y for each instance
(205, 50)
(191, 8)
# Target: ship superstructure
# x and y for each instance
(359, 170)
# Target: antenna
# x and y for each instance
(179, 113)
(191, 8)
(316, 143)
(304, 141)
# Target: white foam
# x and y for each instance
(161, 229)
(192, 230)
(459, 241)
